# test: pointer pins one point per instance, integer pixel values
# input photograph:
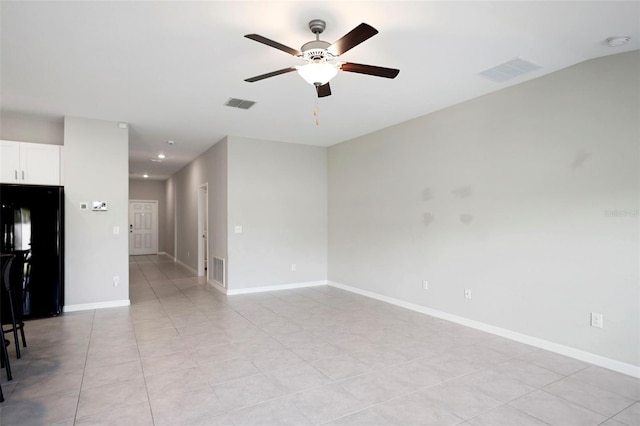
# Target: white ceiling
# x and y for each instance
(167, 68)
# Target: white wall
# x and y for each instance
(96, 169)
(152, 190)
(510, 195)
(277, 193)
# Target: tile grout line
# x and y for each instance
(144, 378)
(84, 369)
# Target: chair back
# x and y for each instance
(6, 272)
(12, 290)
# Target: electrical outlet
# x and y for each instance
(116, 281)
(425, 285)
(293, 267)
(467, 293)
(597, 320)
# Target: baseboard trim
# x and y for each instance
(217, 286)
(184, 265)
(578, 354)
(97, 305)
(231, 292)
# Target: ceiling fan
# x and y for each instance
(321, 57)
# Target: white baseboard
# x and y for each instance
(184, 265)
(217, 286)
(248, 290)
(611, 364)
(97, 305)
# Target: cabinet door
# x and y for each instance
(9, 162)
(40, 164)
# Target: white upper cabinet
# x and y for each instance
(9, 162)
(29, 163)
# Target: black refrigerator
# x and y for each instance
(32, 226)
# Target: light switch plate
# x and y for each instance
(238, 229)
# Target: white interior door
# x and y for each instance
(143, 227)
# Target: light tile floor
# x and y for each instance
(183, 353)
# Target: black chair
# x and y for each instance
(4, 356)
(12, 278)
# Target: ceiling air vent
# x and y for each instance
(514, 68)
(239, 103)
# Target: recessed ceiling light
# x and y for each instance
(170, 142)
(145, 175)
(162, 156)
(618, 41)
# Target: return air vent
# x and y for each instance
(239, 103)
(218, 271)
(514, 68)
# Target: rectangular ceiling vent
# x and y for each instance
(514, 68)
(239, 103)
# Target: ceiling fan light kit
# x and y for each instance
(319, 55)
(317, 73)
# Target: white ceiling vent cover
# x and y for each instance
(239, 103)
(514, 68)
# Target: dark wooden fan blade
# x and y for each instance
(269, 42)
(370, 70)
(323, 90)
(270, 74)
(356, 36)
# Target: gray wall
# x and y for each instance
(528, 196)
(22, 127)
(182, 199)
(170, 217)
(218, 208)
(152, 190)
(277, 193)
(96, 169)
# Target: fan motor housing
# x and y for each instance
(316, 50)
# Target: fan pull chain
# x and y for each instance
(316, 113)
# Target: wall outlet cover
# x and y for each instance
(597, 320)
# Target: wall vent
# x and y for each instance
(239, 103)
(218, 271)
(514, 68)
